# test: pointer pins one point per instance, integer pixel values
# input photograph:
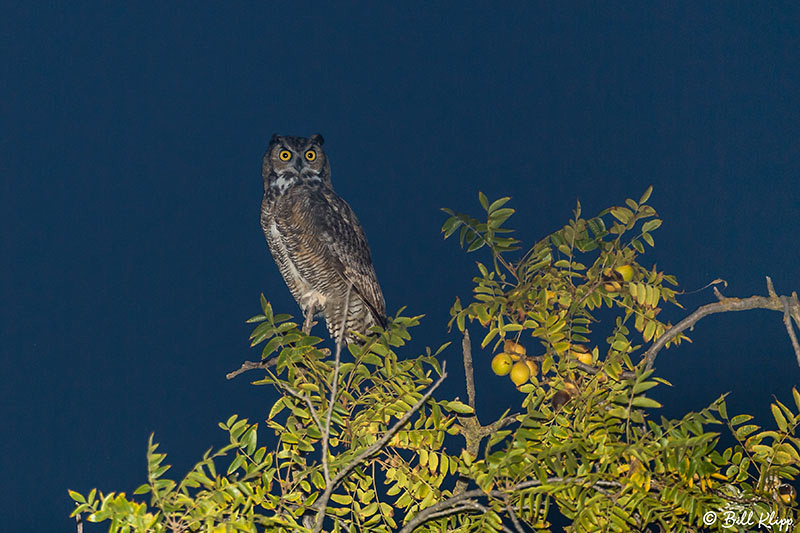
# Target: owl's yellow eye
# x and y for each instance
(311, 155)
(285, 155)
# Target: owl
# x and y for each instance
(316, 240)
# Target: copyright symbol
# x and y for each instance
(709, 518)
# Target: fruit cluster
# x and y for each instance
(512, 361)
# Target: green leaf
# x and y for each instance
(723, 409)
(497, 218)
(623, 214)
(779, 418)
(236, 463)
(650, 225)
(646, 195)
(497, 204)
(459, 407)
(78, 497)
(796, 396)
(277, 407)
(643, 386)
(643, 401)
(740, 419)
(484, 201)
(744, 431)
(342, 499)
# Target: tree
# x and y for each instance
(362, 441)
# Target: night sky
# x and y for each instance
(130, 153)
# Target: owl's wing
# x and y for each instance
(324, 226)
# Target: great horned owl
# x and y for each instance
(316, 240)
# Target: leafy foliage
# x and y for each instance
(585, 440)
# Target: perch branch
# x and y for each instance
(326, 431)
(308, 323)
(322, 503)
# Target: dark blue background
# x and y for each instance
(130, 152)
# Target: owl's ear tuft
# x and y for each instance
(275, 138)
(317, 138)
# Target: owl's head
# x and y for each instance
(292, 160)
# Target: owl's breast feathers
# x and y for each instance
(320, 249)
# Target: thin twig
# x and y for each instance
(771, 288)
(466, 349)
(79, 522)
(307, 400)
(252, 365)
(514, 519)
(326, 432)
(322, 503)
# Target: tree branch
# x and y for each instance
(326, 431)
(787, 321)
(322, 503)
(470, 427)
(434, 511)
(514, 519)
(774, 303)
(466, 349)
(252, 365)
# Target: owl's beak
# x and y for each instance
(298, 163)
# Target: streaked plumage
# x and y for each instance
(316, 239)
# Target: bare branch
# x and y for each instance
(499, 424)
(771, 288)
(252, 365)
(514, 519)
(787, 321)
(723, 306)
(322, 503)
(79, 522)
(466, 349)
(326, 431)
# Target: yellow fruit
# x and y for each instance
(533, 367)
(613, 286)
(520, 373)
(510, 346)
(626, 271)
(501, 364)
